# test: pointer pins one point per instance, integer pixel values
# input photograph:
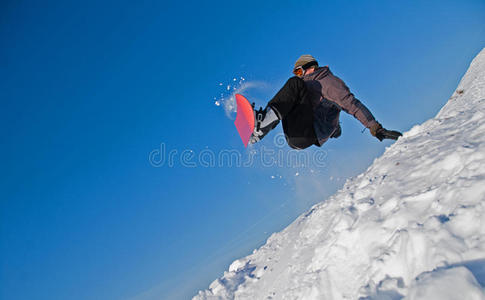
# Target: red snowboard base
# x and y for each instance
(244, 119)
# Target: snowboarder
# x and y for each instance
(309, 106)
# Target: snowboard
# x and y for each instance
(244, 118)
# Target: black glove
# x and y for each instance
(381, 133)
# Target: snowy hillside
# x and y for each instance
(412, 226)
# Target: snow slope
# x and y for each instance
(412, 226)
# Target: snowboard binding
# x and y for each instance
(264, 121)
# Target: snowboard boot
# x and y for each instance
(265, 120)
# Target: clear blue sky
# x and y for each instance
(89, 89)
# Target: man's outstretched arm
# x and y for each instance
(335, 90)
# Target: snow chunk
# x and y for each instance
(455, 283)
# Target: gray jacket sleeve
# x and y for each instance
(335, 90)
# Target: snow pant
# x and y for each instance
(293, 106)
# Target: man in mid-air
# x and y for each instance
(309, 106)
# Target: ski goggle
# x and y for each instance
(299, 71)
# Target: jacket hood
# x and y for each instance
(319, 73)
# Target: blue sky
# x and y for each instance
(89, 90)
